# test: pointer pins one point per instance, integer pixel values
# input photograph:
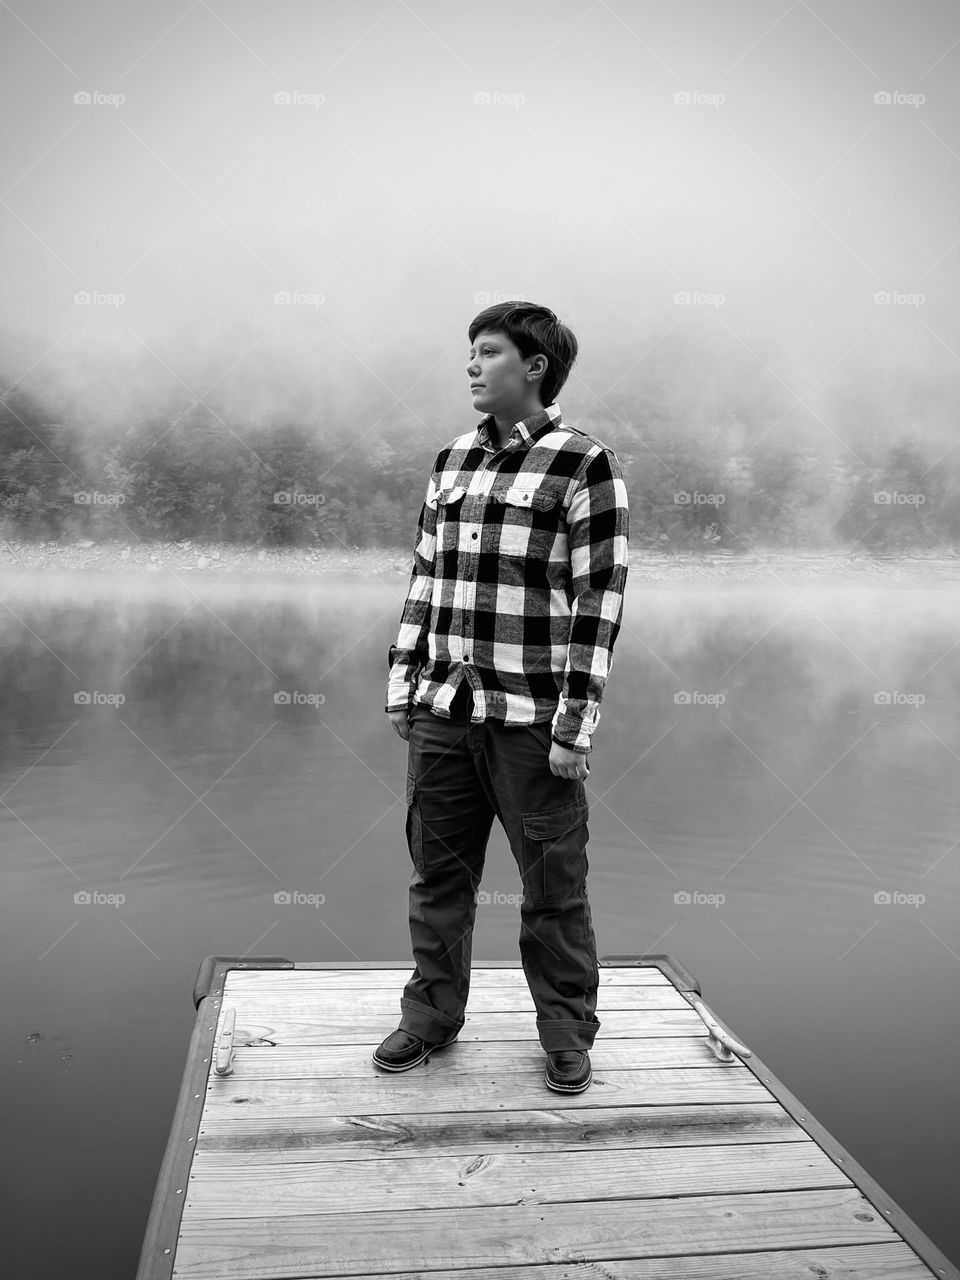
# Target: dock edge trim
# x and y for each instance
(669, 966)
(166, 1211)
(885, 1206)
(213, 970)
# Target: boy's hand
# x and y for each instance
(400, 722)
(565, 763)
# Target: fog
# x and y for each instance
(391, 205)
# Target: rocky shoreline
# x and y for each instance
(222, 559)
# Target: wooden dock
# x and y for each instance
(306, 1161)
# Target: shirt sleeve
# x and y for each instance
(598, 521)
(410, 652)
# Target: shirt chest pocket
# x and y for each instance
(531, 517)
(449, 508)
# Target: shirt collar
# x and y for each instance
(524, 431)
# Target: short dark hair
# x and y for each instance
(534, 330)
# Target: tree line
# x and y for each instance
(190, 475)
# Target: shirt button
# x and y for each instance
(473, 535)
(466, 657)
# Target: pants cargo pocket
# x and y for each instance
(414, 826)
(554, 852)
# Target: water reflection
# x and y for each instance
(743, 759)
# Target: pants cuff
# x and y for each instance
(426, 1023)
(562, 1033)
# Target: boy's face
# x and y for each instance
(497, 365)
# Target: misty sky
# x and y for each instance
(386, 189)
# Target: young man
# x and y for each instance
(495, 682)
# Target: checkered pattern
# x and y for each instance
(518, 575)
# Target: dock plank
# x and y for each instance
(386, 1003)
(392, 979)
(325, 1245)
(894, 1261)
(505, 1178)
(486, 1091)
(308, 1063)
(337, 1025)
(352, 1137)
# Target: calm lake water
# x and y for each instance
(780, 795)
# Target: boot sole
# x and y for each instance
(568, 1088)
(408, 1066)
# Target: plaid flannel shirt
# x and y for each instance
(518, 574)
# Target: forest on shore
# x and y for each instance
(192, 474)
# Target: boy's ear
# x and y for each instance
(538, 366)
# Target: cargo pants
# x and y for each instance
(459, 777)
